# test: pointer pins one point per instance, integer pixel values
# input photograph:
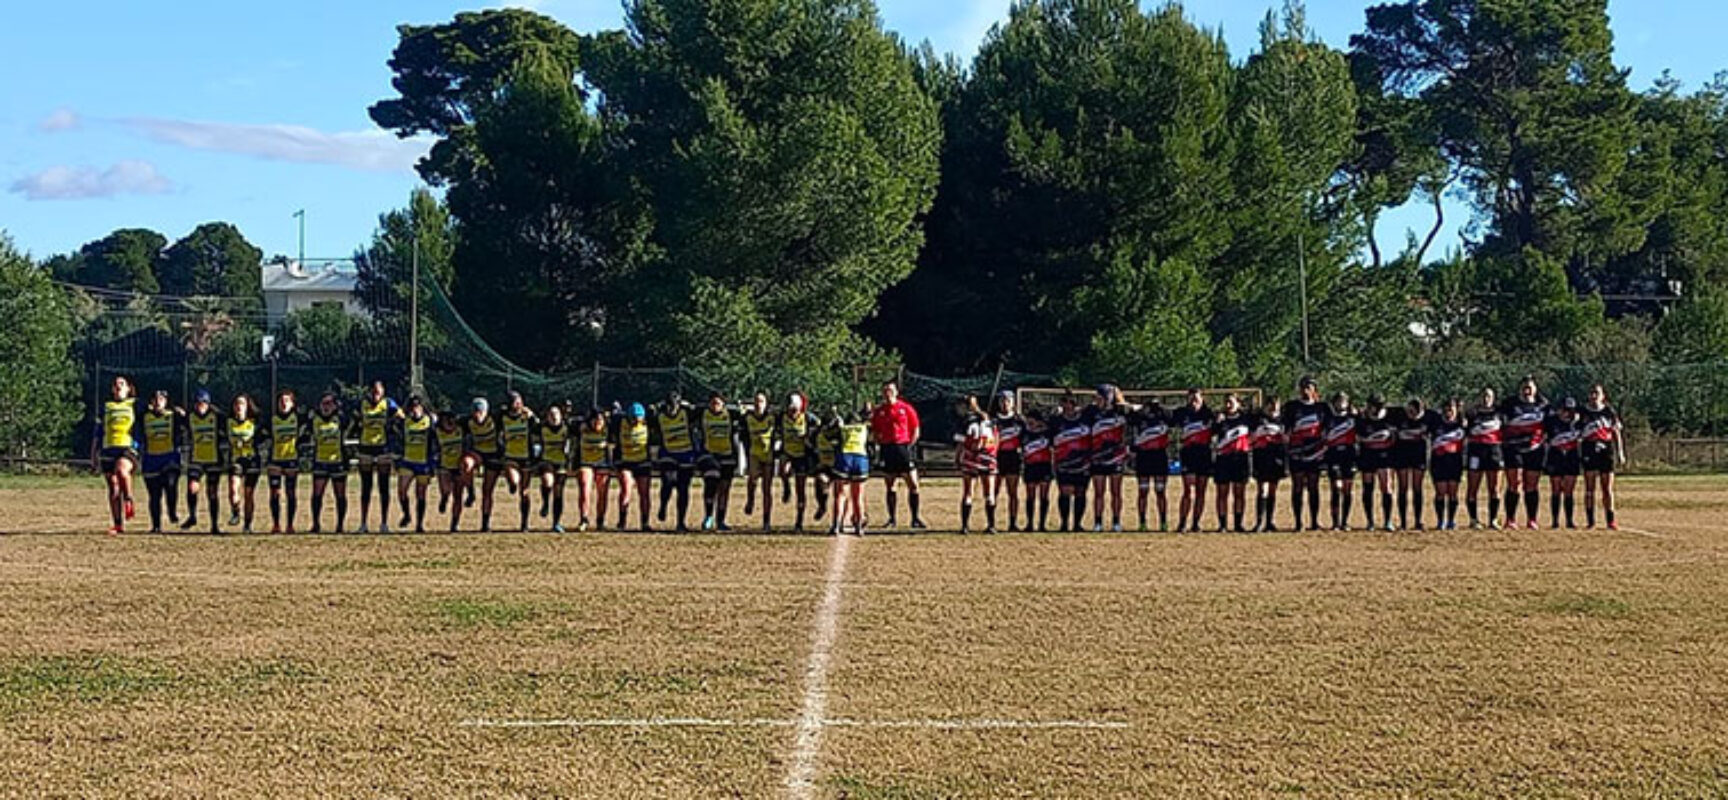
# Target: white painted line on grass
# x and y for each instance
(840, 722)
(1646, 534)
(807, 748)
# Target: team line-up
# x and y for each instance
(1081, 447)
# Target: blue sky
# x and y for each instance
(166, 115)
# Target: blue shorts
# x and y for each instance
(158, 464)
(674, 461)
(411, 468)
(852, 467)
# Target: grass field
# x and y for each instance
(1458, 664)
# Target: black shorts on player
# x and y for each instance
(1269, 468)
(1341, 463)
(1196, 461)
(1484, 458)
(1008, 462)
(1410, 455)
(1563, 464)
(1152, 464)
(1369, 460)
(897, 459)
(1602, 461)
(1231, 468)
(1074, 479)
(1037, 473)
(1519, 458)
(1448, 468)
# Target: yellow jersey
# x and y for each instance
(596, 445)
(206, 433)
(675, 436)
(633, 441)
(855, 439)
(242, 437)
(450, 446)
(484, 434)
(118, 417)
(759, 433)
(717, 432)
(827, 444)
(327, 438)
(158, 432)
(285, 437)
(517, 433)
(555, 444)
(375, 421)
(417, 439)
(793, 430)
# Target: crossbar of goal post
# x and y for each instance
(1050, 397)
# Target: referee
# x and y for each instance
(894, 424)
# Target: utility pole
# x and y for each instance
(414, 322)
(301, 215)
(1302, 281)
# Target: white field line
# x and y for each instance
(1646, 534)
(807, 747)
(839, 722)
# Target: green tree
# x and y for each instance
(384, 269)
(787, 151)
(213, 260)
(38, 379)
(1163, 338)
(320, 334)
(125, 260)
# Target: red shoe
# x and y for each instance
(1613, 526)
(129, 509)
(290, 528)
(1532, 525)
(275, 528)
(116, 530)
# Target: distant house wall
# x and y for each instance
(288, 288)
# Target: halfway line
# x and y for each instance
(801, 772)
(839, 722)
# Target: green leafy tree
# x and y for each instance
(125, 260)
(1162, 338)
(320, 334)
(422, 233)
(787, 151)
(213, 260)
(38, 379)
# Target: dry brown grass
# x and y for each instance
(1365, 664)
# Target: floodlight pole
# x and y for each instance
(414, 321)
(301, 215)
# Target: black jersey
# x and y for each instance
(1233, 434)
(1193, 427)
(1599, 428)
(1487, 427)
(1072, 441)
(1009, 429)
(1562, 435)
(1523, 424)
(1413, 429)
(1376, 433)
(1305, 423)
(1340, 432)
(1445, 436)
(1109, 435)
(1151, 429)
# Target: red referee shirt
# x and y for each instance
(894, 423)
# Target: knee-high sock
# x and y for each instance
(558, 507)
(275, 508)
(366, 475)
(317, 510)
(1314, 507)
(1043, 513)
(419, 511)
(1493, 508)
(709, 490)
(1471, 504)
(1386, 508)
(1404, 507)
(171, 492)
(1416, 492)
(1452, 510)
(212, 501)
(1439, 510)
(966, 515)
(1553, 509)
(1567, 503)
(384, 499)
(683, 492)
(893, 506)
(523, 506)
(1271, 509)
(291, 488)
(1367, 504)
(1531, 501)
(341, 505)
(912, 503)
(990, 515)
(1064, 504)
(1511, 505)
(153, 488)
(1079, 508)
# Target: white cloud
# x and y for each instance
(373, 150)
(76, 183)
(63, 119)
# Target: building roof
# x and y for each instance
(290, 277)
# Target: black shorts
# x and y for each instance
(897, 459)
(640, 469)
(1152, 463)
(1371, 460)
(1519, 458)
(248, 465)
(196, 470)
(1447, 467)
(801, 464)
(1231, 468)
(1269, 465)
(1341, 463)
(1038, 473)
(1196, 461)
(1601, 460)
(723, 465)
(1307, 466)
(1410, 455)
(110, 458)
(369, 454)
(333, 469)
(1484, 458)
(1563, 463)
(1009, 462)
(1078, 480)
(1103, 468)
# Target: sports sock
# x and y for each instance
(1472, 507)
(1531, 501)
(1367, 504)
(1313, 507)
(1511, 504)
(1566, 502)
(341, 505)
(1404, 508)
(1554, 509)
(1493, 508)
(1079, 508)
(966, 515)
(893, 506)
(1386, 508)
(1440, 511)
(365, 493)
(912, 499)
(1347, 499)
(1064, 503)
(1416, 492)
(990, 515)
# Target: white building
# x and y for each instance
(290, 287)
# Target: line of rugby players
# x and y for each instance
(1501, 446)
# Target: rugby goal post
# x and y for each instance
(1050, 397)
